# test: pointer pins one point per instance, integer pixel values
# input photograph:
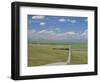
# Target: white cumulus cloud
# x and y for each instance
(42, 23)
(38, 17)
(71, 33)
(84, 33)
(42, 31)
(72, 21)
(62, 20)
(46, 31)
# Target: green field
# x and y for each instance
(42, 54)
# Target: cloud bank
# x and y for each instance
(54, 35)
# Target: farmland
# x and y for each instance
(42, 54)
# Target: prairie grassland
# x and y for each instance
(42, 54)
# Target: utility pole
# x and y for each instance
(69, 55)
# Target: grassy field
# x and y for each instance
(42, 54)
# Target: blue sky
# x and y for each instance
(57, 27)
